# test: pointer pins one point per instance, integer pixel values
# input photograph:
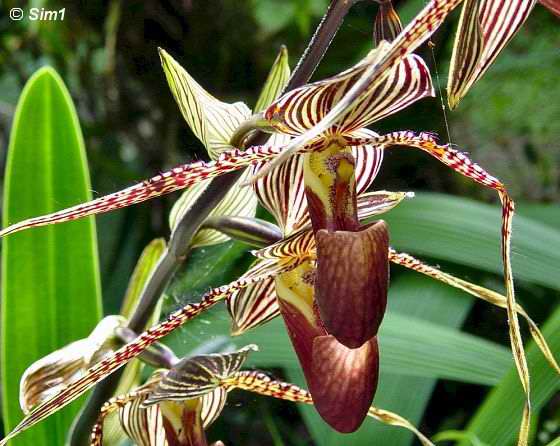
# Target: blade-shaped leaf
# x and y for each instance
(50, 278)
(467, 232)
(175, 179)
(497, 405)
(505, 402)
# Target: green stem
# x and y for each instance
(252, 231)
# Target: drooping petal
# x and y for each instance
(352, 282)
(263, 384)
(477, 291)
(212, 121)
(198, 375)
(276, 81)
(239, 202)
(485, 28)
(377, 66)
(50, 374)
(552, 5)
(387, 24)
(303, 108)
(461, 163)
(178, 178)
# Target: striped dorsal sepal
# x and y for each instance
(303, 108)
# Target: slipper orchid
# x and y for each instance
(332, 308)
(175, 407)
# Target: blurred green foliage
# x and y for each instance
(51, 292)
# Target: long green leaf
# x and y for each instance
(467, 232)
(112, 431)
(50, 287)
(496, 420)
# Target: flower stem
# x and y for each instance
(179, 244)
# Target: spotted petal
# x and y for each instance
(485, 28)
(175, 179)
(213, 122)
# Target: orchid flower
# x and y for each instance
(175, 407)
(48, 376)
(485, 28)
(326, 124)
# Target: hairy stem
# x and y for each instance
(320, 42)
(179, 244)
